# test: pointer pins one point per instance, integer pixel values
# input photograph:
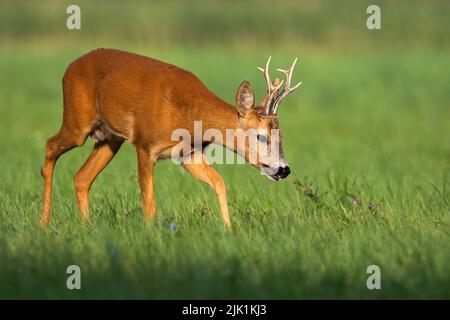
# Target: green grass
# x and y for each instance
(371, 125)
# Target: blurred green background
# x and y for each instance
(367, 137)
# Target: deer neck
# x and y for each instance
(220, 123)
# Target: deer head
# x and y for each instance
(262, 146)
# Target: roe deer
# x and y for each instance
(114, 96)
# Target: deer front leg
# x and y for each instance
(205, 173)
(146, 163)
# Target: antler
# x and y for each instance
(287, 88)
(272, 87)
(271, 103)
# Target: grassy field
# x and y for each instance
(367, 138)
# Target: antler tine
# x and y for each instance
(288, 73)
(287, 88)
(272, 89)
(265, 72)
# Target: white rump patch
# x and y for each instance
(100, 133)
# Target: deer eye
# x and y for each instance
(262, 138)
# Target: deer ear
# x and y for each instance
(245, 99)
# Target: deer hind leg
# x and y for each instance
(201, 170)
(146, 164)
(57, 145)
(80, 111)
(98, 159)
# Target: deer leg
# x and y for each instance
(95, 163)
(56, 146)
(146, 163)
(205, 173)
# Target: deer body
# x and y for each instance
(114, 96)
(138, 99)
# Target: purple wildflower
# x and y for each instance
(113, 251)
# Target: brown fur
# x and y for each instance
(114, 96)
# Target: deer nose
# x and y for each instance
(283, 172)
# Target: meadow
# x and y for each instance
(367, 137)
